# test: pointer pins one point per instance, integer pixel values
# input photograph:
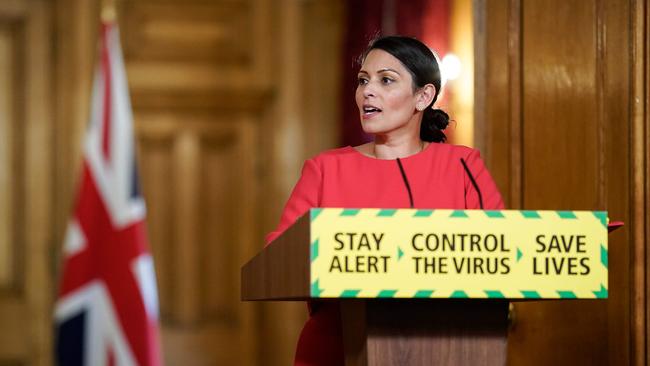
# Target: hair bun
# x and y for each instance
(434, 121)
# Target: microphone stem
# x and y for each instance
(471, 178)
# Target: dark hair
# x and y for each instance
(423, 67)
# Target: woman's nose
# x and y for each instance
(368, 90)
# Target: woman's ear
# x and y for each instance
(425, 96)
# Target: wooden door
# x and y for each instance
(26, 167)
(562, 103)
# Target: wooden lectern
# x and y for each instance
(386, 330)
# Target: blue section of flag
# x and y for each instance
(135, 181)
(70, 341)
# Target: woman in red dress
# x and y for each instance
(408, 164)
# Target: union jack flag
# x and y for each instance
(107, 307)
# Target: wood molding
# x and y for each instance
(644, 8)
(28, 160)
(227, 100)
(12, 164)
(217, 33)
(515, 55)
(14, 9)
(640, 190)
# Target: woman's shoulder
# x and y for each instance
(455, 150)
(346, 152)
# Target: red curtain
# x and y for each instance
(427, 20)
(364, 22)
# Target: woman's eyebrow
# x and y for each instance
(388, 69)
(380, 71)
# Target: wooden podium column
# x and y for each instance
(424, 332)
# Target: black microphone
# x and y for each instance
(471, 178)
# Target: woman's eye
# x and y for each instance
(386, 80)
(362, 81)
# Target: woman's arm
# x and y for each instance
(305, 195)
(490, 193)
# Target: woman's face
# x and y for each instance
(385, 96)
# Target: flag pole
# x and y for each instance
(108, 12)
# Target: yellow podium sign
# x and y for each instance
(410, 253)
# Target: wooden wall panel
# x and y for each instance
(219, 230)
(26, 162)
(194, 175)
(497, 123)
(155, 160)
(9, 149)
(616, 126)
(563, 121)
(202, 31)
(225, 112)
(321, 86)
(196, 48)
(561, 162)
(301, 122)
(12, 298)
(194, 72)
(559, 95)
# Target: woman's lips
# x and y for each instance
(370, 111)
(369, 115)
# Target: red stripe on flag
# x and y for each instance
(111, 357)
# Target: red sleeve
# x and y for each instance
(305, 195)
(489, 191)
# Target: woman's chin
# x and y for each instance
(370, 131)
(372, 128)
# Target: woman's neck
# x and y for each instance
(393, 148)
